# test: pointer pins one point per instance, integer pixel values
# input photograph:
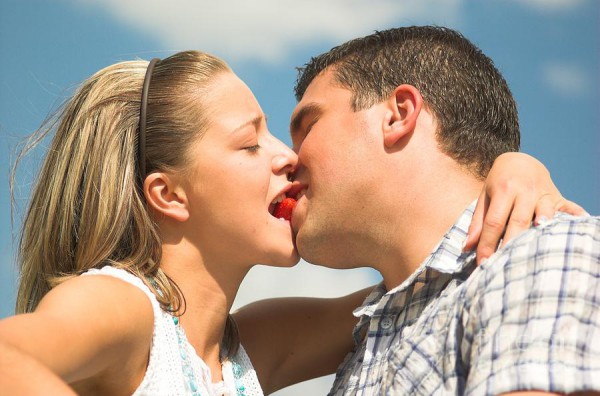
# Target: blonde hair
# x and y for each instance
(86, 210)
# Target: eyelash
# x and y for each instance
(253, 149)
(310, 126)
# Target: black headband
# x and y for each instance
(142, 128)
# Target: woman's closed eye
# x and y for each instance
(252, 149)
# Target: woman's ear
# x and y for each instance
(405, 106)
(166, 197)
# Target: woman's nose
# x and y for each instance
(285, 160)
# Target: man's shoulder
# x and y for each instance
(543, 260)
(532, 301)
(548, 244)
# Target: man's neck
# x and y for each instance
(433, 211)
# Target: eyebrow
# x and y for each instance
(308, 110)
(256, 121)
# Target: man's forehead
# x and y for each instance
(318, 94)
(322, 81)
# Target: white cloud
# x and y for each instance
(302, 280)
(566, 78)
(268, 31)
(552, 5)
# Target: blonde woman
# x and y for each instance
(155, 199)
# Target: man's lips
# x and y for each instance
(297, 190)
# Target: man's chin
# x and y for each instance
(297, 221)
(310, 249)
(299, 215)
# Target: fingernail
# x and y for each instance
(464, 246)
(542, 220)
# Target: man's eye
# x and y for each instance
(310, 126)
(305, 131)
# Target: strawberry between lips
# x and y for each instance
(284, 209)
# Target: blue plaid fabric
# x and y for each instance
(528, 318)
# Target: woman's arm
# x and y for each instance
(21, 374)
(86, 329)
(517, 191)
(295, 339)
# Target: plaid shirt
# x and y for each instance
(528, 318)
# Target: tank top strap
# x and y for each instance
(129, 278)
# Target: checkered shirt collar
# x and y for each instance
(447, 257)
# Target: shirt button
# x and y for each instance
(387, 322)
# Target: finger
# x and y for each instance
(571, 208)
(494, 224)
(544, 210)
(476, 223)
(520, 217)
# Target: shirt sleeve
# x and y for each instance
(534, 320)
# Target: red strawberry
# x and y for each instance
(284, 209)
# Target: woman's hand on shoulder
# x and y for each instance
(87, 327)
(517, 191)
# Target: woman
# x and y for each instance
(144, 221)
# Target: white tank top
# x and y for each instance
(174, 364)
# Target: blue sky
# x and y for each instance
(548, 50)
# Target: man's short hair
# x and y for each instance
(470, 100)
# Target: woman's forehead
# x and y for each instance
(229, 102)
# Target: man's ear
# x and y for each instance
(405, 106)
(166, 197)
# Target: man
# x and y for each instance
(395, 133)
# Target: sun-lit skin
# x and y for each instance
(363, 196)
(236, 171)
(325, 140)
